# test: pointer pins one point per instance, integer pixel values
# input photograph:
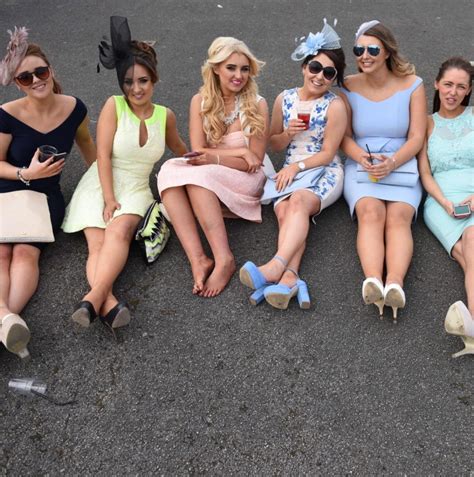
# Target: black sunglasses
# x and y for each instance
(329, 72)
(372, 50)
(26, 78)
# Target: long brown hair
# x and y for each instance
(34, 50)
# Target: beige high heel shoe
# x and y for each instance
(459, 322)
(394, 296)
(15, 335)
(372, 293)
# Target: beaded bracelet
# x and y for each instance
(21, 178)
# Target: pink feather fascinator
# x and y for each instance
(16, 51)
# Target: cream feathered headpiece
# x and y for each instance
(16, 51)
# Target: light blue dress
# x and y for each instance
(383, 126)
(451, 155)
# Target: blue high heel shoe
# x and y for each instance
(252, 277)
(258, 295)
(279, 296)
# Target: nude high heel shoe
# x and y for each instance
(394, 296)
(459, 322)
(372, 293)
(15, 335)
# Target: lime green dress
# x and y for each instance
(131, 168)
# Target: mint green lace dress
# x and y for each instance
(451, 155)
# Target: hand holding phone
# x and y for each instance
(462, 211)
(188, 155)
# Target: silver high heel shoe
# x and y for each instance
(394, 296)
(459, 322)
(15, 335)
(372, 293)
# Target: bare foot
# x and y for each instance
(201, 270)
(218, 279)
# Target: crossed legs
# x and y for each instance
(293, 216)
(186, 204)
(108, 253)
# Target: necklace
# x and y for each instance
(230, 119)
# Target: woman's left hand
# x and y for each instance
(469, 201)
(285, 177)
(383, 168)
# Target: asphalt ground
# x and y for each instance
(216, 386)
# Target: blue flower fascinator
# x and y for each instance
(326, 39)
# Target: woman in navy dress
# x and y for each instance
(387, 106)
(42, 116)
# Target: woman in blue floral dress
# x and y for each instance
(310, 147)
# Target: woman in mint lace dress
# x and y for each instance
(447, 172)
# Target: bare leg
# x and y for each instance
(24, 275)
(112, 258)
(207, 209)
(371, 215)
(463, 252)
(399, 241)
(6, 252)
(95, 241)
(293, 219)
(184, 224)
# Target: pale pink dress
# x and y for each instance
(239, 191)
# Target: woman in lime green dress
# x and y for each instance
(114, 194)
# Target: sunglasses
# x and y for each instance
(26, 78)
(329, 72)
(372, 50)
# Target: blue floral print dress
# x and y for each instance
(309, 142)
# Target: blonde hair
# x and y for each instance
(213, 102)
(396, 63)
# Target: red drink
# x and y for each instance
(305, 118)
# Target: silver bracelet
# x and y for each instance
(21, 178)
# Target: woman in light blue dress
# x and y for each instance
(387, 108)
(311, 146)
(447, 172)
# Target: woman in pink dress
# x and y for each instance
(223, 176)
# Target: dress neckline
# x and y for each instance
(467, 108)
(36, 130)
(386, 99)
(147, 121)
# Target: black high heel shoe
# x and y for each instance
(118, 316)
(84, 313)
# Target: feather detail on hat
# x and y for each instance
(16, 51)
(364, 27)
(326, 39)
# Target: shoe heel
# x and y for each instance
(15, 335)
(257, 296)
(394, 311)
(380, 304)
(468, 347)
(303, 295)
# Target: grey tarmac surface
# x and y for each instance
(216, 386)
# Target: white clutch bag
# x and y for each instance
(24, 217)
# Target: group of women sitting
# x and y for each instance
(377, 119)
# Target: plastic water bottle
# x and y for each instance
(27, 386)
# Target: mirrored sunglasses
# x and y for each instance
(372, 50)
(26, 78)
(329, 72)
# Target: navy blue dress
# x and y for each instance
(25, 141)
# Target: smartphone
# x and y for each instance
(191, 154)
(462, 211)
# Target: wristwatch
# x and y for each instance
(301, 165)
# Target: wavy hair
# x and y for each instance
(458, 63)
(396, 62)
(213, 101)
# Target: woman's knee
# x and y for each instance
(25, 253)
(5, 253)
(371, 211)
(399, 216)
